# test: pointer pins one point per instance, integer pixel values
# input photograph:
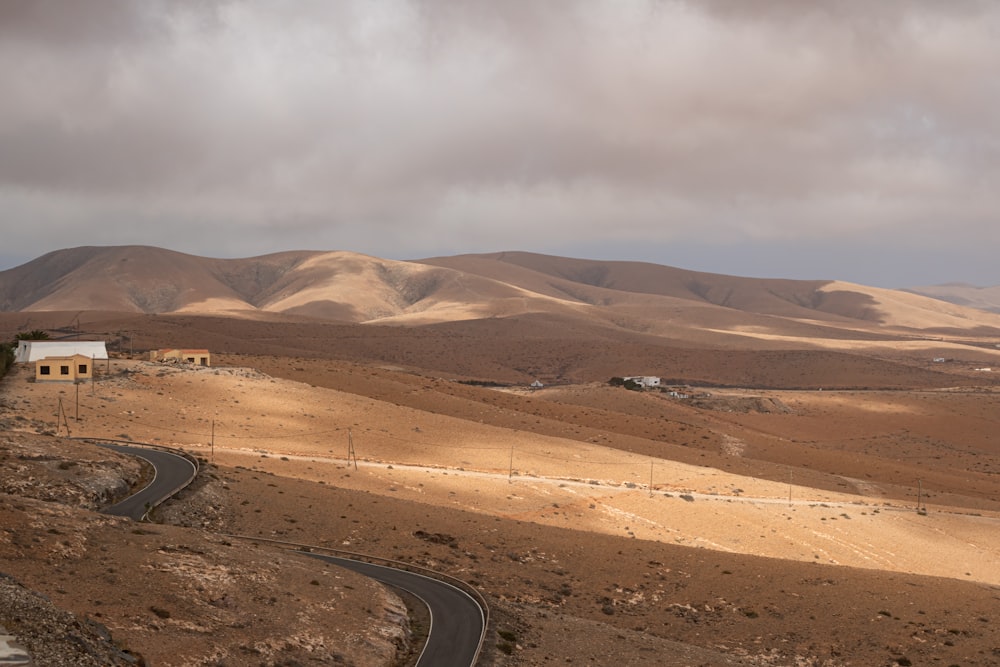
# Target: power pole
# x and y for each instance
(650, 478)
(351, 455)
(213, 441)
(77, 384)
(61, 419)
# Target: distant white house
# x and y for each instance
(537, 384)
(29, 351)
(198, 357)
(647, 381)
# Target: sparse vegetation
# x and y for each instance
(6, 358)
(569, 546)
(34, 334)
(484, 383)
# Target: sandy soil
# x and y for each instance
(583, 513)
(443, 460)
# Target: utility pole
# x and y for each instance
(351, 454)
(789, 487)
(77, 385)
(510, 470)
(650, 478)
(213, 441)
(920, 493)
(61, 419)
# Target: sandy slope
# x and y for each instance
(304, 431)
(351, 287)
(543, 500)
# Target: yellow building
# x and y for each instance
(197, 357)
(73, 368)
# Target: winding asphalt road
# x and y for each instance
(172, 473)
(457, 620)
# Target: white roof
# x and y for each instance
(33, 350)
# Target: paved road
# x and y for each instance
(173, 472)
(456, 619)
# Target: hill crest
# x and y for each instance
(351, 287)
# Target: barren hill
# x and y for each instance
(983, 298)
(611, 283)
(771, 480)
(350, 287)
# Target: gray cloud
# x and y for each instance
(409, 128)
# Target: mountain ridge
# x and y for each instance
(356, 288)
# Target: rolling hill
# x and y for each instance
(983, 298)
(353, 288)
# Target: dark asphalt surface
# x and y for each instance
(173, 472)
(456, 619)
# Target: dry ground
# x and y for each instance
(605, 526)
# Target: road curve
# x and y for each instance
(172, 473)
(457, 620)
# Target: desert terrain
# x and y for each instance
(818, 491)
(770, 512)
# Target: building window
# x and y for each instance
(44, 370)
(190, 360)
(82, 369)
(64, 370)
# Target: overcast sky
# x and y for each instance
(854, 140)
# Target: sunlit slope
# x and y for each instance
(351, 287)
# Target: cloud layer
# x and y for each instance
(677, 132)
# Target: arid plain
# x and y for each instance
(767, 516)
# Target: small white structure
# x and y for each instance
(647, 381)
(29, 351)
(537, 384)
(197, 357)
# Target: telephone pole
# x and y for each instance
(351, 454)
(62, 419)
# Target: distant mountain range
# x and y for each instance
(350, 287)
(983, 298)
